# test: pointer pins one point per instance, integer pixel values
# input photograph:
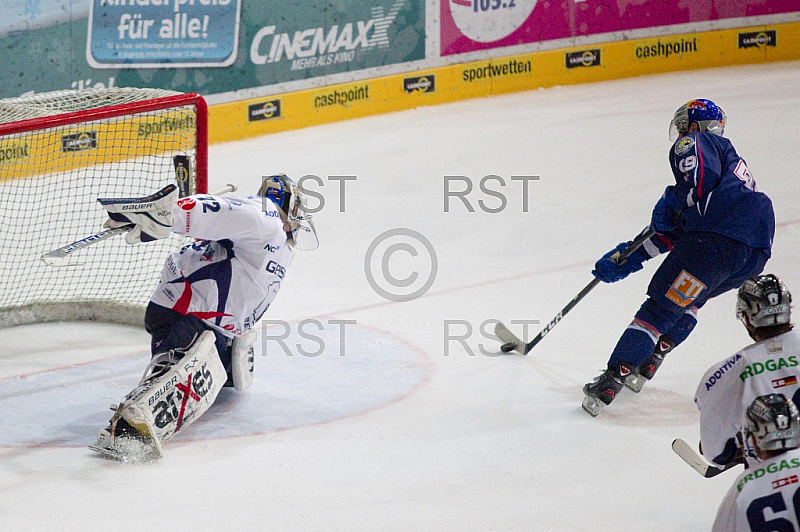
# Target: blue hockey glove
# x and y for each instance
(667, 212)
(609, 271)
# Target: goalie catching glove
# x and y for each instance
(150, 217)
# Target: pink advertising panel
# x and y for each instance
(472, 25)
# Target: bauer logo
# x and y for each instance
(264, 110)
(79, 141)
(583, 58)
(758, 39)
(420, 84)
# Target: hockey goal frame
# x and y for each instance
(122, 109)
(102, 310)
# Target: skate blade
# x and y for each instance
(128, 450)
(592, 405)
(635, 382)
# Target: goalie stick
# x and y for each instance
(510, 340)
(60, 257)
(689, 456)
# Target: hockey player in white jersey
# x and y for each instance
(770, 365)
(766, 496)
(203, 313)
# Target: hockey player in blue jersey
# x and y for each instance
(716, 229)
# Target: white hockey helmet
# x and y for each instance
(763, 301)
(291, 202)
(772, 423)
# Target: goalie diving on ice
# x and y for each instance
(202, 315)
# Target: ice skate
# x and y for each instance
(125, 442)
(602, 391)
(648, 368)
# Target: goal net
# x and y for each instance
(59, 152)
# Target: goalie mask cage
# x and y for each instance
(59, 152)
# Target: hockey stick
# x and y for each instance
(688, 455)
(510, 340)
(60, 257)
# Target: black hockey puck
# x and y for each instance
(507, 348)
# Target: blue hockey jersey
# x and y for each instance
(719, 192)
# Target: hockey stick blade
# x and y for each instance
(509, 339)
(61, 257)
(688, 455)
(512, 343)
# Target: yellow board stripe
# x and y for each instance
(66, 148)
(585, 64)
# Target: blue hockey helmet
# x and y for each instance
(290, 200)
(277, 188)
(706, 114)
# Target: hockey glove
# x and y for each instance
(608, 270)
(151, 216)
(667, 212)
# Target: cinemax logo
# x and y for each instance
(758, 39)
(79, 141)
(583, 58)
(264, 110)
(420, 84)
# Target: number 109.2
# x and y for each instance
(486, 5)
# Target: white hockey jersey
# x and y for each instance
(764, 497)
(232, 273)
(731, 386)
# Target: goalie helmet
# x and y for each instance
(772, 423)
(763, 301)
(709, 117)
(291, 202)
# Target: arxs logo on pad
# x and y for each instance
(168, 409)
(277, 269)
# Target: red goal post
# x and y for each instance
(59, 152)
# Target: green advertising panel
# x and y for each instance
(193, 46)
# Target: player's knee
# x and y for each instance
(661, 315)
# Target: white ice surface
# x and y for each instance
(408, 431)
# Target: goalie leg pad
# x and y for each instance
(170, 399)
(242, 360)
